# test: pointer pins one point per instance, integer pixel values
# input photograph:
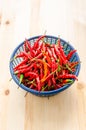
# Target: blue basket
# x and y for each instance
(52, 40)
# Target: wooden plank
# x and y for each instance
(21, 20)
(11, 100)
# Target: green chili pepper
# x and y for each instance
(21, 78)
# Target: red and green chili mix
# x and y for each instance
(45, 66)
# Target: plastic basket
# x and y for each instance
(52, 40)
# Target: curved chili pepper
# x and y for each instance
(68, 76)
(49, 52)
(21, 63)
(45, 70)
(28, 46)
(38, 50)
(61, 49)
(24, 70)
(36, 43)
(47, 57)
(53, 54)
(63, 55)
(58, 54)
(70, 54)
(34, 75)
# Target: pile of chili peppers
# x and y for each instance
(45, 66)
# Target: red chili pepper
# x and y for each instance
(37, 57)
(50, 75)
(38, 51)
(28, 46)
(45, 69)
(53, 54)
(49, 82)
(21, 63)
(36, 43)
(34, 75)
(49, 52)
(58, 54)
(27, 55)
(47, 57)
(74, 64)
(62, 52)
(70, 54)
(24, 70)
(53, 80)
(57, 86)
(22, 67)
(41, 73)
(68, 76)
(44, 47)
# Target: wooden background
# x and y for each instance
(20, 19)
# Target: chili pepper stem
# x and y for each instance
(68, 68)
(13, 58)
(10, 79)
(26, 94)
(18, 87)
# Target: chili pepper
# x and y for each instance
(53, 69)
(20, 55)
(38, 49)
(48, 44)
(74, 64)
(49, 82)
(21, 78)
(26, 49)
(44, 47)
(67, 66)
(58, 54)
(41, 37)
(50, 75)
(37, 57)
(44, 87)
(68, 81)
(41, 73)
(36, 43)
(34, 75)
(53, 54)
(70, 54)
(22, 67)
(25, 69)
(49, 52)
(47, 57)
(27, 55)
(62, 51)
(53, 80)
(31, 86)
(38, 83)
(57, 86)
(32, 82)
(68, 76)
(21, 63)
(45, 70)
(27, 43)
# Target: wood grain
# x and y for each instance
(20, 19)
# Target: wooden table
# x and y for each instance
(20, 19)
